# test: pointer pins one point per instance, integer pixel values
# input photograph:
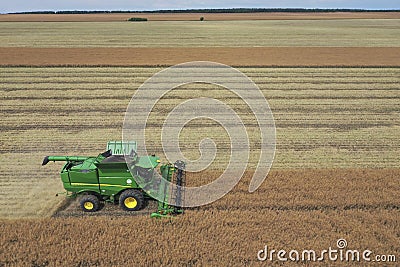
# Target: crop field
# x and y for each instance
(337, 42)
(232, 56)
(228, 231)
(283, 213)
(333, 88)
(325, 118)
(195, 16)
(287, 33)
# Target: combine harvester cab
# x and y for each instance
(108, 178)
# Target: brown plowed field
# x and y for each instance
(236, 56)
(196, 16)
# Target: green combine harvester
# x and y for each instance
(108, 178)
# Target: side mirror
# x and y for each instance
(107, 154)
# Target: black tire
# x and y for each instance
(89, 203)
(131, 200)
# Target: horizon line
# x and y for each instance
(209, 10)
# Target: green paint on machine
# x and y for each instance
(108, 177)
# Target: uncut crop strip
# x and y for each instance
(206, 237)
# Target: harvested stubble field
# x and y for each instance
(344, 42)
(325, 117)
(268, 33)
(335, 173)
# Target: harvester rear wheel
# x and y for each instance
(89, 203)
(131, 200)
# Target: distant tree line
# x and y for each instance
(220, 10)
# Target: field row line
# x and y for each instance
(263, 86)
(273, 97)
(303, 125)
(107, 75)
(265, 80)
(345, 110)
(250, 71)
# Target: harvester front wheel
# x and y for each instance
(89, 203)
(131, 200)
